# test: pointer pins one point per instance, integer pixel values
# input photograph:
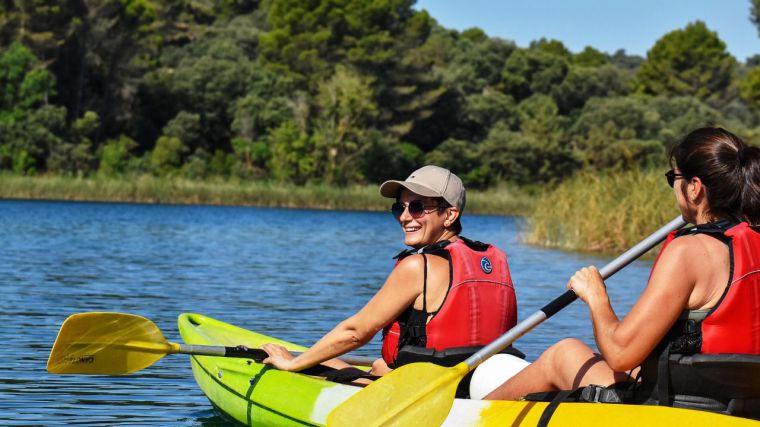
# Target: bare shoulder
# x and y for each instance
(689, 256)
(411, 264)
(695, 247)
(407, 276)
(416, 264)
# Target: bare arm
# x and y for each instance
(625, 344)
(402, 287)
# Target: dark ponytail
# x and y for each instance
(751, 190)
(728, 168)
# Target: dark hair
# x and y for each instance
(729, 169)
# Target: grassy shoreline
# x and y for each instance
(605, 213)
(150, 189)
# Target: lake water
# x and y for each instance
(293, 274)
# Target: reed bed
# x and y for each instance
(602, 213)
(150, 189)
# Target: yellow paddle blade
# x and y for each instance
(418, 394)
(107, 343)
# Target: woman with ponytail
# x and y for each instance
(703, 295)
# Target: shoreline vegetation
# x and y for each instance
(149, 189)
(605, 213)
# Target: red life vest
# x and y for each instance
(479, 307)
(733, 325)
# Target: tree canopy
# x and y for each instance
(341, 92)
(692, 62)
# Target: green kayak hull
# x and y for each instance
(258, 395)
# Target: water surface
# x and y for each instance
(293, 274)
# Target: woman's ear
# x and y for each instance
(696, 190)
(452, 214)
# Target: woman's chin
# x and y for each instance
(413, 241)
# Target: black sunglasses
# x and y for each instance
(671, 176)
(416, 208)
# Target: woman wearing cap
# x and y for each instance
(446, 292)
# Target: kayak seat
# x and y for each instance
(716, 375)
(722, 383)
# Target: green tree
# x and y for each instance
(386, 157)
(750, 89)
(346, 108)
(625, 61)
(307, 37)
(115, 155)
(539, 116)
(166, 156)
(292, 150)
(30, 128)
(481, 111)
(186, 127)
(24, 84)
(590, 57)
(255, 117)
(538, 153)
(382, 39)
(681, 115)
(693, 62)
(462, 157)
(583, 83)
(27, 137)
(214, 80)
(533, 71)
(474, 61)
(524, 158)
(551, 46)
(618, 133)
(75, 156)
(755, 14)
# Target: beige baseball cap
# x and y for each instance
(429, 181)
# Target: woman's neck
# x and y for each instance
(447, 235)
(703, 216)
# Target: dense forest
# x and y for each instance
(341, 91)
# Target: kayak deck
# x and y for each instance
(256, 394)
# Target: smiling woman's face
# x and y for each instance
(425, 230)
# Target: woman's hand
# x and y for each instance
(588, 284)
(279, 357)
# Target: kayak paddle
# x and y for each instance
(119, 343)
(421, 394)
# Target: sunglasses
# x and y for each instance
(417, 209)
(671, 176)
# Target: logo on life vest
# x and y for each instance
(485, 264)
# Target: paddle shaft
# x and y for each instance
(255, 354)
(569, 296)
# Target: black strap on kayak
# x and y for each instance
(663, 377)
(347, 375)
(561, 396)
(343, 376)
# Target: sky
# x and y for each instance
(607, 25)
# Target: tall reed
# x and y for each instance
(602, 212)
(150, 189)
